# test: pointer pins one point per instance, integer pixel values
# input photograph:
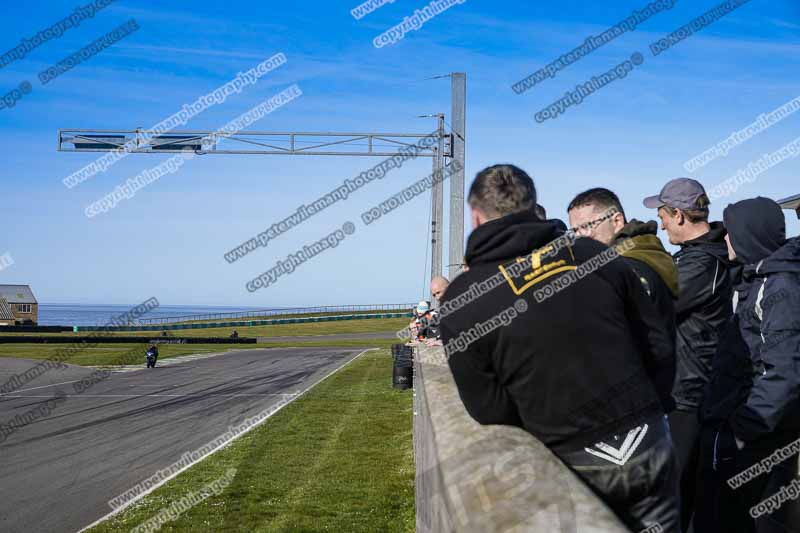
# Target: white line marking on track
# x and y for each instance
(42, 387)
(176, 474)
(148, 395)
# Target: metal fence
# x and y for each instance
(278, 312)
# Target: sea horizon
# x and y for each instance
(82, 314)
(72, 314)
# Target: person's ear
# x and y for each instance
(618, 220)
(680, 218)
(476, 217)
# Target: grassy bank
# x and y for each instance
(339, 458)
(117, 354)
(279, 330)
(113, 354)
(290, 315)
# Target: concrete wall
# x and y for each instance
(475, 478)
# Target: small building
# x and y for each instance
(21, 303)
(793, 202)
(6, 316)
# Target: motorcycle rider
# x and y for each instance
(152, 350)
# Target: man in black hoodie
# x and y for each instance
(598, 214)
(549, 333)
(751, 411)
(703, 306)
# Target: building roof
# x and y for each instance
(17, 294)
(5, 310)
(793, 202)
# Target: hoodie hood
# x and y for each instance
(511, 236)
(785, 259)
(756, 227)
(649, 250)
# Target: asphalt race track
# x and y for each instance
(58, 473)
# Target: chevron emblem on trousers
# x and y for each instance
(619, 456)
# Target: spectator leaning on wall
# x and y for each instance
(576, 369)
(439, 284)
(598, 214)
(752, 406)
(703, 306)
(425, 326)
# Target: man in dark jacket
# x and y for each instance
(550, 333)
(751, 411)
(598, 214)
(703, 306)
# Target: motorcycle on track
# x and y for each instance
(152, 356)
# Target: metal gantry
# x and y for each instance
(449, 146)
(141, 141)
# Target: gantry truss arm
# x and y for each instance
(250, 142)
(438, 145)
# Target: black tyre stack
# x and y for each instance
(403, 371)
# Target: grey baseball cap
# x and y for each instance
(681, 193)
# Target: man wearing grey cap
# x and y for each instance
(703, 306)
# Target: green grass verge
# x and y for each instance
(366, 343)
(279, 330)
(114, 354)
(292, 315)
(340, 458)
(120, 354)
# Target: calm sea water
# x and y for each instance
(98, 315)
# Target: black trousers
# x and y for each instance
(721, 508)
(685, 429)
(636, 474)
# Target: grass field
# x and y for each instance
(115, 354)
(279, 330)
(339, 458)
(291, 315)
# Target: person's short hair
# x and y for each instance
(501, 190)
(696, 215)
(599, 198)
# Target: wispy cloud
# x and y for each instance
(205, 52)
(785, 24)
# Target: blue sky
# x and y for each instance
(169, 240)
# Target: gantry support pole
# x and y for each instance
(437, 204)
(458, 116)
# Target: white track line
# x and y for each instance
(145, 493)
(114, 370)
(42, 387)
(149, 395)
